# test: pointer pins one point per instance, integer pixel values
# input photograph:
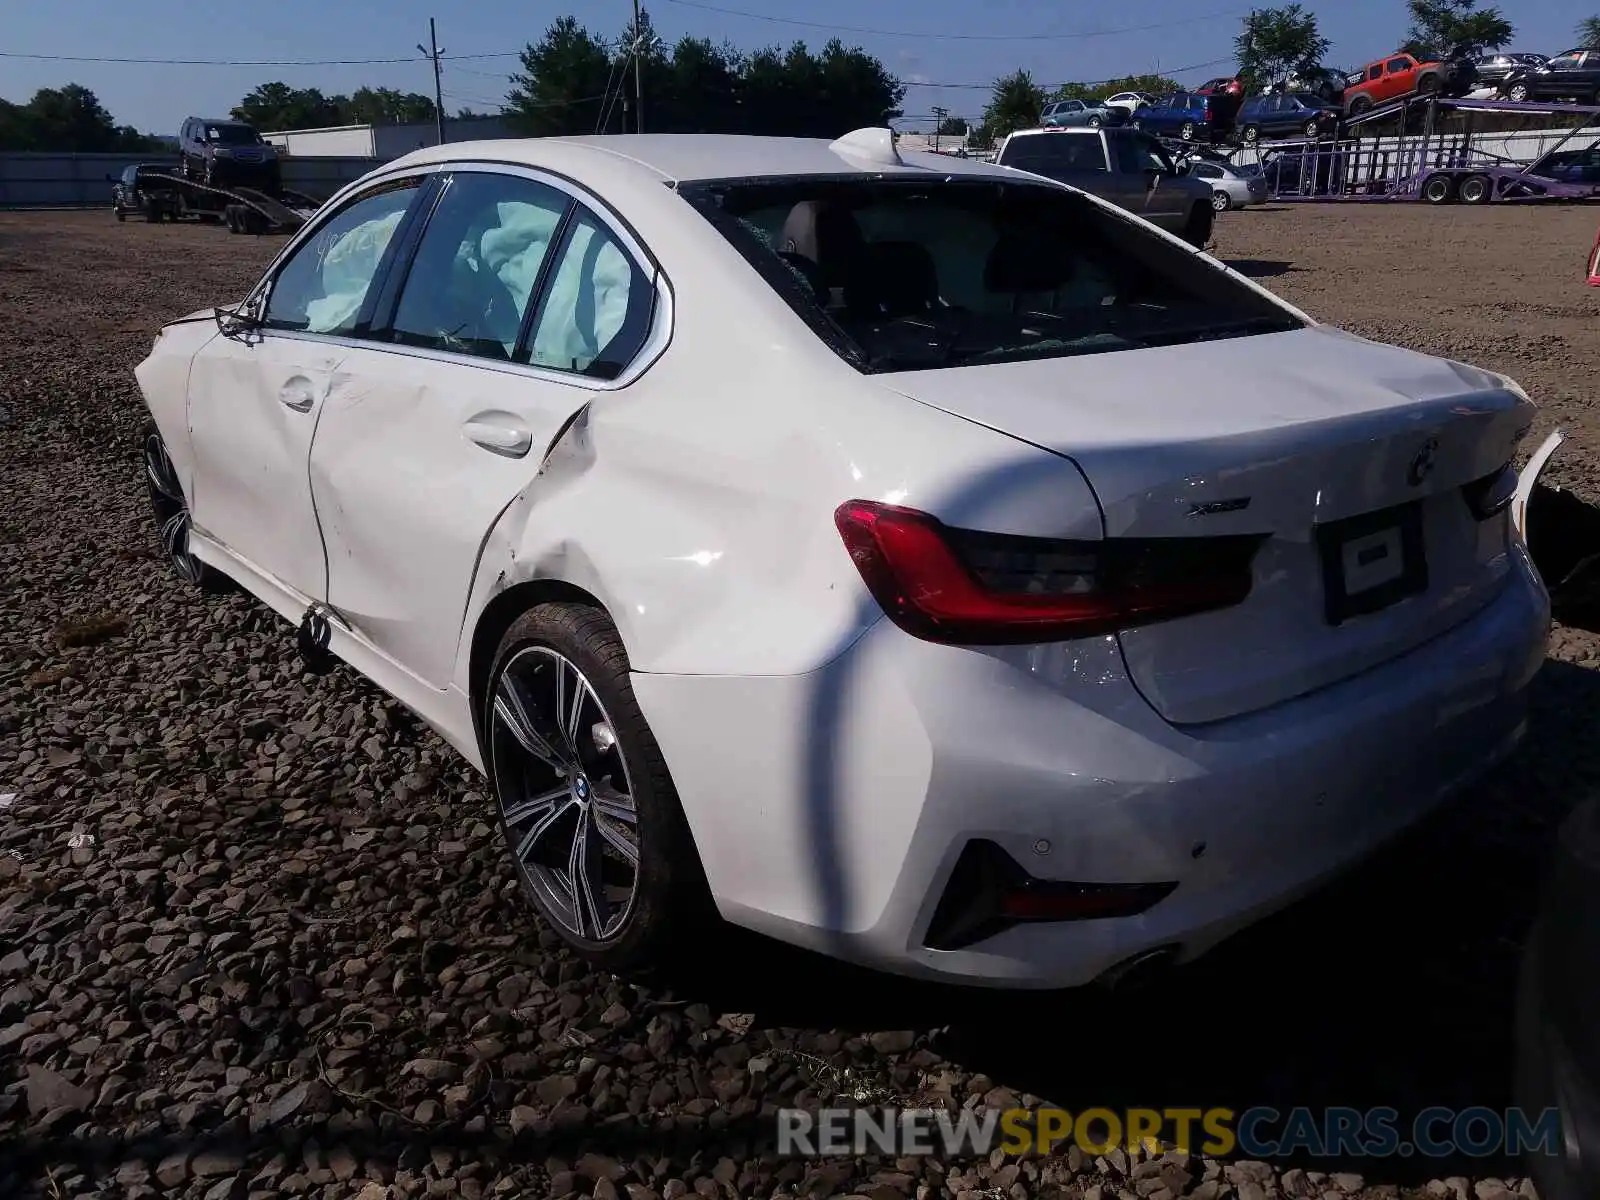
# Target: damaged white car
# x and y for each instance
(935, 567)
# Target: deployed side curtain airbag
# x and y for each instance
(347, 270)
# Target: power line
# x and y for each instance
(958, 37)
(217, 62)
(1049, 87)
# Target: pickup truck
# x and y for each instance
(1123, 166)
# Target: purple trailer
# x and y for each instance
(1439, 166)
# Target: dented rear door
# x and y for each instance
(520, 307)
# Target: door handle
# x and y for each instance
(297, 394)
(511, 441)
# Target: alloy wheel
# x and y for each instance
(566, 796)
(171, 509)
(1219, 201)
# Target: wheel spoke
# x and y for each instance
(535, 806)
(612, 803)
(175, 534)
(589, 907)
(530, 840)
(517, 717)
(569, 691)
(617, 840)
(158, 466)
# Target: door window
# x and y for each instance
(1375, 71)
(324, 283)
(1398, 66)
(1565, 62)
(478, 265)
(595, 312)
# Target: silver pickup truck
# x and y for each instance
(1124, 166)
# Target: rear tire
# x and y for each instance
(1475, 189)
(1439, 189)
(1313, 128)
(1360, 105)
(1517, 93)
(1220, 201)
(599, 771)
(1186, 131)
(1251, 135)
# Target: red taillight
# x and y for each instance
(966, 587)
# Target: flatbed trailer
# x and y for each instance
(241, 209)
(1435, 165)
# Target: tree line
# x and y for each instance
(573, 81)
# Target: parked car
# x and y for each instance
(1402, 75)
(1574, 76)
(1231, 187)
(1130, 101)
(138, 190)
(1558, 1053)
(1123, 167)
(1071, 113)
(1223, 85)
(1326, 84)
(1295, 114)
(974, 615)
(1494, 68)
(1187, 116)
(220, 152)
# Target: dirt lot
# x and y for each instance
(288, 957)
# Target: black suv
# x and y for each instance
(221, 152)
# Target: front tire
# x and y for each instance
(597, 836)
(171, 510)
(1186, 131)
(1440, 189)
(1251, 135)
(1517, 93)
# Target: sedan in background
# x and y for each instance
(1574, 76)
(1068, 114)
(1130, 101)
(1007, 639)
(1287, 115)
(1231, 187)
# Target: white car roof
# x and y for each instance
(686, 157)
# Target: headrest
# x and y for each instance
(1027, 263)
(825, 233)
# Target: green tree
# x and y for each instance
(1437, 25)
(384, 106)
(1015, 103)
(276, 106)
(1277, 41)
(565, 77)
(69, 119)
(1589, 32)
(952, 127)
(1156, 85)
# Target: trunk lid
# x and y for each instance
(1349, 454)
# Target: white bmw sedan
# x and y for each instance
(935, 567)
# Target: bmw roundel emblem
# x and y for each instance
(1422, 463)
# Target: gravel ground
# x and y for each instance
(257, 937)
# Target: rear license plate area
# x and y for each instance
(1372, 561)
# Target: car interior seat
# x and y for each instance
(822, 241)
(1028, 268)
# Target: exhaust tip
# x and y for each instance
(1140, 971)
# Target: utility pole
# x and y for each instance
(438, 95)
(638, 69)
(938, 123)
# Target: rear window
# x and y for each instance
(909, 274)
(1049, 154)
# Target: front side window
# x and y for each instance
(478, 264)
(909, 275)
(1399, 65)
(324, 283)
(1566, 62)
(594, 315)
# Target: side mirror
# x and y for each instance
(233, 322)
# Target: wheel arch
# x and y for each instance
(498, 615)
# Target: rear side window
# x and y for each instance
(478, 264)
(909, 275)
(1053, 154)
(594, 315)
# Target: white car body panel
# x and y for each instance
(830, 765)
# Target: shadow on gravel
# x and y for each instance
(1259, 268)
(1392, 988)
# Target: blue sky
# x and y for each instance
(974, 42)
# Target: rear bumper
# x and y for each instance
(833, 813)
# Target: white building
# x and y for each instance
(381, 141)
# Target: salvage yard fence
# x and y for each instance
(45, 180)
